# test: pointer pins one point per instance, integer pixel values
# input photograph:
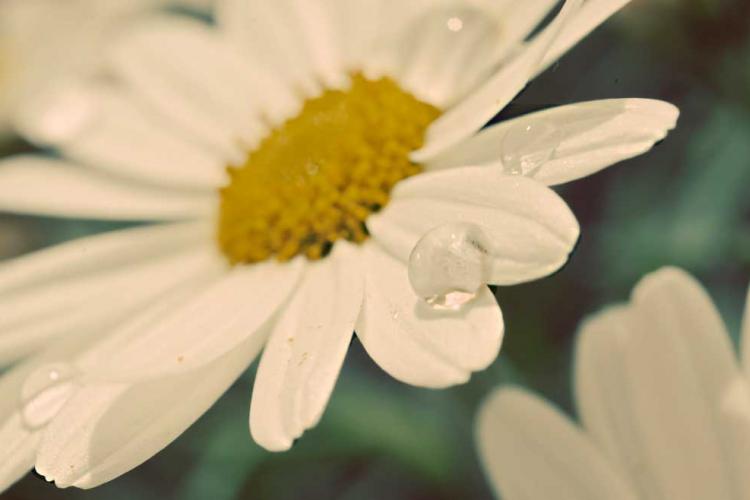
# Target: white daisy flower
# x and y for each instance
(348, 126)
(663, 402)
(42, 40)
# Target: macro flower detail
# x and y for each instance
(319, 176)
(663, 403)
(291, 156)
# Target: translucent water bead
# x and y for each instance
(449, 265)
(44, 393)
(60, 112)
(527, 146)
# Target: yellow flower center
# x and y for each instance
(316, 178)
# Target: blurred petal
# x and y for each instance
(292, 37)
(735, 422)
(98, 125)
(94, 301)
(191, 75)
(306, 350)
(446, 51)
(415, 343)
(221, 317)
(604, 395)
(531, 230)
(531, 451)
(357, 24)
(587, 19)
(455, 61)
(41, 186)
(19, 440)
(107, 429)
(18, 450)
(745, 336)
(470, 115)
(670, 366)
(98, 253)
(519, 19)
(589, 136)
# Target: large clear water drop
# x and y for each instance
(529, 145)
(449, 265)
(44, 393)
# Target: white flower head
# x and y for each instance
(664, 406)
(295, 153)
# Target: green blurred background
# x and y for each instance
(686, 203)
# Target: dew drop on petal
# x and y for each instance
(59, 113)
(455, 24)
(44, 393)
(527, 146)
(449, 265)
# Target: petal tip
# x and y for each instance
(661, 278)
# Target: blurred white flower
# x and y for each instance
(131, 336)
(663, 402)
(46, 40)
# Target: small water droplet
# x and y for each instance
(449, 265)
(527, 146)
(44, 393)
(455, 24)
(59, 113)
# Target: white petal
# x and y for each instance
(18, 450)
(745, 336)
(447, 48)
(95, 301)
(20, 442)
(446, 51)
(589, 17)
(306, 350)
(380, 55)
(99, 125)
(283, 36)
(684, 362)
(675, 365)
(221, 317)
(673, 303)
(356, 26)
(108, 429)
(531, 451)
(475, 111)
(43, 186)
(415, 343)
(604, 394)
(590, 136)
(184, 69)
(530, 229)
(98, 253)
(735, 423)
(317, 24)
(519, 19)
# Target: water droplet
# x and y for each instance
(455, 24)
(527, 146)
(59, 113)
(44, 393)
(449, 265)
